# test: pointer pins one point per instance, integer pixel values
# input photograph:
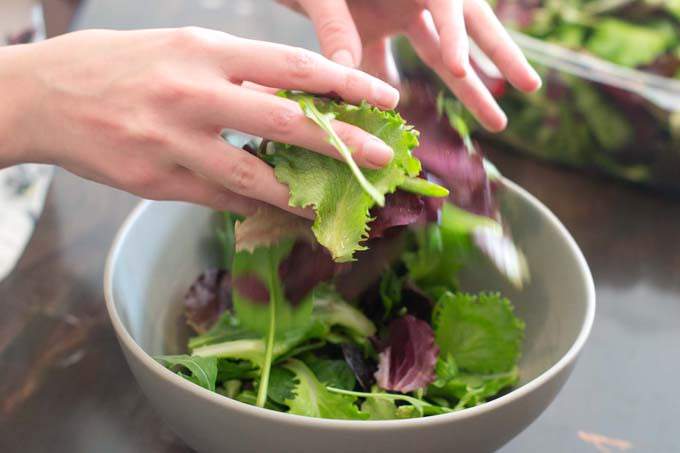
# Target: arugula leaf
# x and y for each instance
(313, 399)
(341, 204)
(203, 369)
(333, 373)
(480, 332)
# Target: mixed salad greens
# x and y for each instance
(359, 314)
(581, 122)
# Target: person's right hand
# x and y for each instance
(142, 111)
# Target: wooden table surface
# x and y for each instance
(65, 387)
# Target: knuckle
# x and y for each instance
(140, 180)
(333, 27)
(241, 175)
(280, 120)
(169, 90)
(190, 35)
(301, 63)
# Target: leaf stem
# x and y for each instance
(269, 346)
(323, 121)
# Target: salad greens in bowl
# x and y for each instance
(430, 303)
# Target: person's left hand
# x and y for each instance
(357, 32)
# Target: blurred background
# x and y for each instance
(599, 145)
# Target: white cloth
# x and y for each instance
(22, 188)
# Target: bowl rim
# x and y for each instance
(161, 372)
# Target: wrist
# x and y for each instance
(18, 102)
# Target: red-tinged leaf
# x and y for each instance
(307, 265)
(444, 155)
(207, 298)
(408, 362)
(401, 209)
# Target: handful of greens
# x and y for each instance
(359, 314)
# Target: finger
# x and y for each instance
(300, 69)
(239, 172)
(282, 120)
(469, 90)
(450, 22)
(379, 61)
(184, 185)
(494, 40)
(335, 28)
(293, 5)
(258, 87)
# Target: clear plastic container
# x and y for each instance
(589, 113)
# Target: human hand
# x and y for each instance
(143, 110)
(357, 32)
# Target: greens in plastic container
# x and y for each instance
(611, 95)
(359, 314)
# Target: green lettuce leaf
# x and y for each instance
(466, 389)
(333, 373)
(314, 400)
(414, 407)
(203, 369)
(629, 44)
(480, 332)
(331, 187)
(262, 242)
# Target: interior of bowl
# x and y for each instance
(165, 246)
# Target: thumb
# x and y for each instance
(336, 30)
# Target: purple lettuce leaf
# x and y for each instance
(208, 297)
(401, 209)
(304, 268)
(444, 155)
(408, 362)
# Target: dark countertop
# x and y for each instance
(64, 385)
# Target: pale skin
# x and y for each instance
(142, 110)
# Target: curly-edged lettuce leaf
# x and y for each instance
(407, 363)
(480, 332)
(203, 370)
(463, 390)
(331, 187)
(311, 398)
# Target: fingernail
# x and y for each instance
(377, 153)
(537, 82)
(385, 96)
(343, 57)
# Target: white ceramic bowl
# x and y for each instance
(162, 247)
